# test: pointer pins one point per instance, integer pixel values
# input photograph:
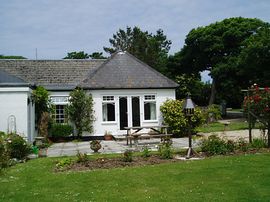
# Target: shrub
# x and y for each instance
(214, 145)
(212, 113)
(173, 116)
(145, 152)
(4, 156)
(242, 144)
(63, 163)
(17, 147)
(165, 150)
(2, 134)
(230, 145)
(127, 156)
(258, 143)
(61, 130)
(81, 157)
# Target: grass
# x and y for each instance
(236, 110)
(234, 178)
(215, 127)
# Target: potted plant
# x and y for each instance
(42, 150)
(42, 146)
(95, 145)
(108, 136)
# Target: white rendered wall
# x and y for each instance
(100, 127)
(14, 101)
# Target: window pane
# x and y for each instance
(59, 115)
(59, 99)
(108, 98)
(150, 111)
(149, 97)
(108, 112)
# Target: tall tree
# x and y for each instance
(151, 48)
(254, 62)
(77, 55)
(216, 48)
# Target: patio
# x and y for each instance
(71, 148)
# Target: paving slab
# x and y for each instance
(71, 148)
(107, 147)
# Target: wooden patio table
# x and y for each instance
(135, 135)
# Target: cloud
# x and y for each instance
(58, 27)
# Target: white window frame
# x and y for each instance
(108, 99)
(59, 100)
(149, 98)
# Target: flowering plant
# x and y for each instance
(258, 103)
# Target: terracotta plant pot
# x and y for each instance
(42, 152)
(108, 137)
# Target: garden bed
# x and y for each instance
(118, 162)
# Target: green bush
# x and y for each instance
(60, 130)
(4, 156)
(127, 156)
(258, 143)
(81, 157)
(214, 145)
(63, 163)
(145, 152)
(172, 111)
(165, 150)
(242, 144)
(17, 147)
(212, 113)
(2, 134)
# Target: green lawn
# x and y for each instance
(237, 178)
(215, 127)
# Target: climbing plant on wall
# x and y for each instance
(43, 107)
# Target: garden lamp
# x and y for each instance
(188, 109)
(188, 106)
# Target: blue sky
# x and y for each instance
(56, 27)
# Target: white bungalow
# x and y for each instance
(126, 91)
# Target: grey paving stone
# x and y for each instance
(71, 148)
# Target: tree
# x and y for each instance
(77, 55)
(216, 48)
(150, 48)
(97, 55)
(43, 106)
(189, 83)
(11, 57)
(80, 111)
(254, 60)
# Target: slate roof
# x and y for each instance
(8, 80)
(124, 71)
(52, 74)
(120, 71)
